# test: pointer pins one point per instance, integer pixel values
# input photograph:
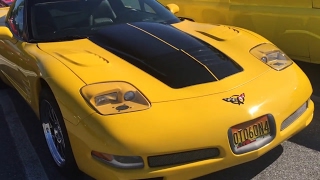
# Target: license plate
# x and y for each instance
(250, 132)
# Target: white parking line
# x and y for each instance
(29, 158)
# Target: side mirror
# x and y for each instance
(5, 33)
(173, 8)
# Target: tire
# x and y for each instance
(55, 133)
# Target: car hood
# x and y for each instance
(165, 62)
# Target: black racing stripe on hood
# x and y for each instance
(158, 49)
(218, 63)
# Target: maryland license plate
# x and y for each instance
(249, 133)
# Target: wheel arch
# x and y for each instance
(35, 104)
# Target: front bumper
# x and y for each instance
(178, 130)
(226, 158)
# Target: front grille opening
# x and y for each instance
(183, 157)
(287, 122)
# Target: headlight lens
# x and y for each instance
(114, 97)
(272, 56)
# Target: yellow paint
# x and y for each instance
(293, 25)
(178, 120)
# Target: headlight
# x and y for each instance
(114, 97)
(272, 56)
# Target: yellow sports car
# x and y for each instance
(294, 26)
(126, 90)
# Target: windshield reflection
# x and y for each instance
(63, 20)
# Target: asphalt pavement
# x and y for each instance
(9, 162)
(22, 156)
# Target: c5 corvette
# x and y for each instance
(291, 25)
(126, 90)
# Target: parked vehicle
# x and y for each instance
(293, 25)
(126, 90)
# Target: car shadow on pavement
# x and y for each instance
(309, 137)
(247, 170)
(33, 128)
(11, 166)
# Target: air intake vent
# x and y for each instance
(217, 62)
(183, 157)
(220, 33)
(294, 116)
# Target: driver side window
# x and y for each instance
(136, 4)
(15, 20)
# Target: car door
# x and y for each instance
(313, 26)
(283, 22)
(140, 5)
(9, 54)
(13, 54)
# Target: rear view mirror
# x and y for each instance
(5, 33)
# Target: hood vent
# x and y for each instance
(220, 33)
(217, 62)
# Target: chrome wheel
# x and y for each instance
(56, 134)
(53, 133)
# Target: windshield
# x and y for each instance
(69, 19)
